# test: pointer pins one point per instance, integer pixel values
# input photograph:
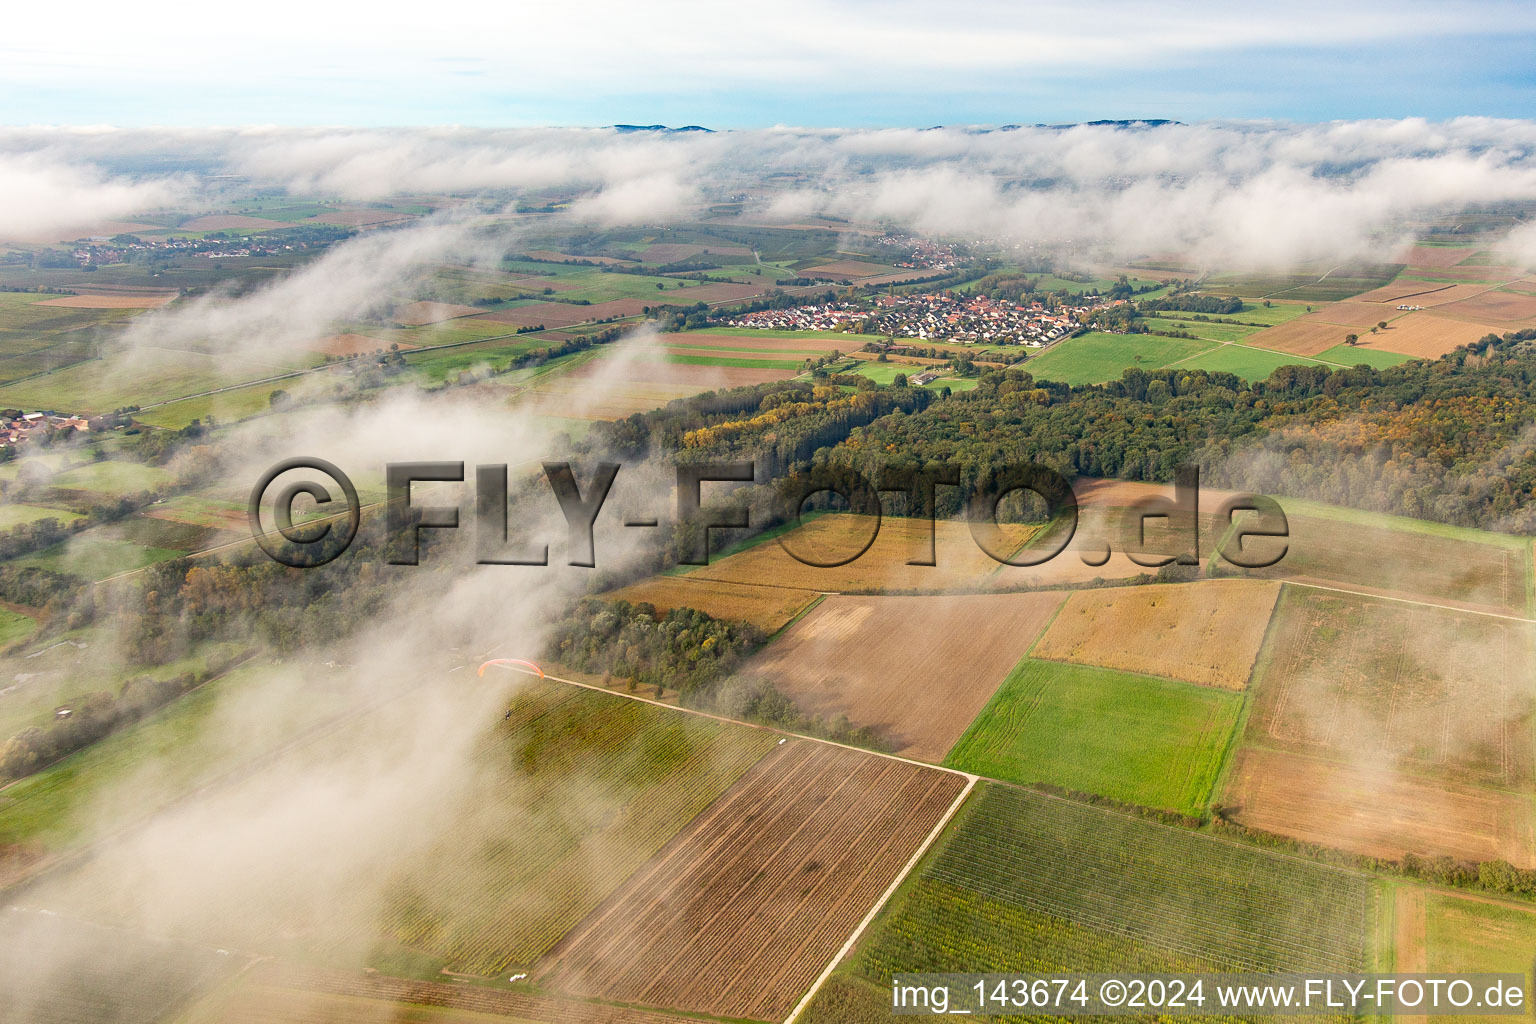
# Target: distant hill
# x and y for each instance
(659, 128)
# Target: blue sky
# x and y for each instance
(840, 63)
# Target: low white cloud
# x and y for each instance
(43, 198)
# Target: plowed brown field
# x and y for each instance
(767, 608)
(1427, 335)
(1438, 255)
(915, 669)
(1354, 313)
(114, 301)
(1300, 337)
(738, 915)
(1492, 305)
(961, 564)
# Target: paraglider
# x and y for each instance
(511, 661)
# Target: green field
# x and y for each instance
(15, 515)
(1140, 739)
(38, 338)
(440, 364)
(594, 285)
(56, 806)
(1244, 361)
(15, 626)
(1354, 355)
(93, 557)
(226, 406)
(1471, 936)
(1206, 330)
(63, 667)
(1022, 881)
(885, 373)
(1274, 313)
(1094, 357)
(102, 385)
(113, 477)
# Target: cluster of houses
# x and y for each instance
(16, 426)
(940, 316)
(1407, 308)
(101, 252)
(925, 255)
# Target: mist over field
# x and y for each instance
(350, 764)
(1339, 314)
(1257, 194)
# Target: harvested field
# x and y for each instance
(918, 692)
(1437, 255)
(1207, 632)
(960, 562)
(1427, 335)
(1436, 294)
(1492, 305)
(738, 915)
(767, 608)
(1353, 313)
(672, 252)
(1376, 813)
(283, 993)
(117, 300)
(350, 345)
(231, 222)
(550, 255)
(1483, 273)
(1417, 293)
(1398, 686)
(416, 314)
(847, 268)
(804, 341)
(1400, 557)
(1300, 337)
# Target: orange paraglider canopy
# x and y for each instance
(511, 661)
